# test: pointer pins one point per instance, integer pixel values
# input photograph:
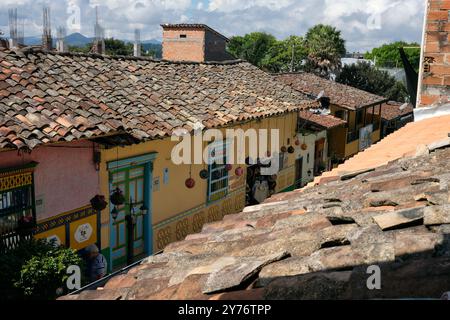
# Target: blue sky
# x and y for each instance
(364, 23)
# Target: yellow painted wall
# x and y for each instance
(339, 140)
(177, 210)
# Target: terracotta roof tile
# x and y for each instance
(315, 243)
(339, 94)
(321, 120)
(111, 94)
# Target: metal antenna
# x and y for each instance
(47, 34)
(13, 34)
(137, 43)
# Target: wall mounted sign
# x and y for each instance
(83, 233)
(365, 137)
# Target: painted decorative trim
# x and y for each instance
(65, 218)
(134, 161)
(190, 212)
(17, 177)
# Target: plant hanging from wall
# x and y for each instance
(99, 203)
(117, 198)
(25, 226)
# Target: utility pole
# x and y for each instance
(293, 56)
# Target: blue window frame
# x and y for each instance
(218, 177)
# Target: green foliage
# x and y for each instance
(115, 47)
(253, 47)
(35, 270)
(368, 78)
(325, 47)
(286, 55)
(388, 55)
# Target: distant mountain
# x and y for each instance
(78, 40)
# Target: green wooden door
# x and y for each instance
(132, 182)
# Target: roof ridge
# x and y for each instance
(34, 50)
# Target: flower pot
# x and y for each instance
(99, 203)
(117, 198)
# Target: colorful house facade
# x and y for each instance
(96, 124)
(359, 109)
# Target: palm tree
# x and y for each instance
(326, 48)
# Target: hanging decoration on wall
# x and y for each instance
(304, 146)
(297, 142)
(283, 149)
(99, 203)
(229, 167)
(190, 183)
(268, 154)
(239, 172)
(204, 174)
(117, 198)
(291, 150)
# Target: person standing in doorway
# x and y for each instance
(97, 265)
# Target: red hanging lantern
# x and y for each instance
(304, 146)
(190, 183)
(297, 142)
(229, 167)
(283, 149)
(239, 172)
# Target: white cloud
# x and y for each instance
(238, 5)
(398, 19)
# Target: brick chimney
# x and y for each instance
(434, 79)
(193, 42)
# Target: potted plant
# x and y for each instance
(99, 203)
(25, 226)
(117, 198)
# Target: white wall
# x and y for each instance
(310, 139)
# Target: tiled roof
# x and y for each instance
(314, 244)
(413, 138)
(339, 94)
(50, 97)
(321, 120)
(392, 110)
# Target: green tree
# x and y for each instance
(286, 55)
(253, 47)
(325, 47)
(388, 55)
(368, 78)
(115, 47)
(35, 270)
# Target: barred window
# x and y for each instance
(218, 174)
(17, 208)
